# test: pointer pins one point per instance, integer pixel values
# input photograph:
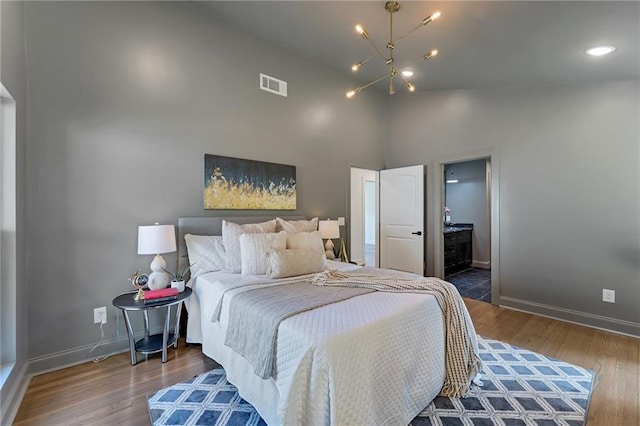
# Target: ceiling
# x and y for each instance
(481, 44)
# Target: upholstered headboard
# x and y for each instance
(213, 226)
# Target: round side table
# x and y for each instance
(157, 342)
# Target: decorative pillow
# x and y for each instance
(305, 240)
(206, 253)
(231, 238)
(253, 249)
(293, 262)
(293, 226)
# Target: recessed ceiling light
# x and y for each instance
(407, 73)
(599, 50)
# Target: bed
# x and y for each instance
(375, 358)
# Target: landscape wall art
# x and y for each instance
(239, 184)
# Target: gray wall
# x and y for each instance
(467, 200)
(569, 196)
(13, 76)
(124, 100)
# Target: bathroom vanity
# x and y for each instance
(458, 249)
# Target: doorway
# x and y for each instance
(363, 216)
(467, 226)
(8, 249)
(483, 265)
(370, 222)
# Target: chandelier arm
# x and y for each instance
(426, 21)
(410, 86)
(411, 64)
(375, 81)
(369, 58)
(390, 45)
(378, 50)
(401, 76)
(409, 33)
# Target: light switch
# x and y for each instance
(341, 221)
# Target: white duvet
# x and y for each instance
(375, 359)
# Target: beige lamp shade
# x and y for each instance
(329, 229)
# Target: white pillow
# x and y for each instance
(206, 253)
(293, 226)
(294, 262)
(231, 238)
(253, 249)
(305, 240)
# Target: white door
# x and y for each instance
(402, 219)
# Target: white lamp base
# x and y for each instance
(328, 250)
(158, 278)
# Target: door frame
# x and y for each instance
(437, 179)
(350, 211)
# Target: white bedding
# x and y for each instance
(375, 359)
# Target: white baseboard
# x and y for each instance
(482, 264)
(63, 359)
(613, 325)
(16, 393)
(80, 355)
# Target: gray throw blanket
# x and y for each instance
(462, 361)
(248, 281)
(255, 314)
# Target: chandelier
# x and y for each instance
(391, 7)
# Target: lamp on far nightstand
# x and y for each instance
(157, 239)
(329, 229)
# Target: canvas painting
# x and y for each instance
(238, 184)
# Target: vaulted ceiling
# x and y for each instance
(481, 43)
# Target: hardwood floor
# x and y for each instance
(110, 392)
(113, 392)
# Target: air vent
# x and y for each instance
(273, 85)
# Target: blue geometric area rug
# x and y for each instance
(519, 387)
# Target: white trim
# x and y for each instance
(65, 359)
(580, 318)
(16, 393)
(79, 355)
(5, 371)
(437, 173)
(8, 219)
(482, 264)
(356, 212)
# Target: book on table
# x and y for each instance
(162, 293)
(159, 300)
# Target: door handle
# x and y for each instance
(417, 233)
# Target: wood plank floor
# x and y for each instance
(113, 392)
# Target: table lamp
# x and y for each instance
(329, 229)
(157, 239)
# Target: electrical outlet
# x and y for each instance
(100, 315)
(608, 295)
